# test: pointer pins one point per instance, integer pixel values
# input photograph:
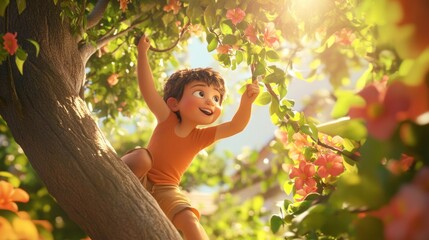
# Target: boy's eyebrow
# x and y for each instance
(203, 85)
(199, 85)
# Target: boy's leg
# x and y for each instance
(139, 161)
(186, 222)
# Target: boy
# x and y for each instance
(191, 98)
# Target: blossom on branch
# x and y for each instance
(173, 5)
(330, 164)
(235, 15)
(10, 44)
(224, 49)
(250, 33)
(345, 36)
(270, 36)
(303, 176)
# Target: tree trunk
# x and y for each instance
(63, 143)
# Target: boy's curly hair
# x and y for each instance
(176, 83)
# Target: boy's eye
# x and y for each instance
(199, 94)
(216, 99)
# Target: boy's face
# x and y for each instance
(200, 103)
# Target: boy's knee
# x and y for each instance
(139, 161)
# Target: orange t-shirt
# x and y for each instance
(172, 154)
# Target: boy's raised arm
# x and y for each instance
(146, 83)
(242, 116)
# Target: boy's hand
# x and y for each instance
(144, 44)
(252, 90)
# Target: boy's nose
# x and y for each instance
(209, 101)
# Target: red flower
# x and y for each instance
(383, 109)
(235, 15)
(270, 36)
(415, 13)
(250, 33)
(173, 5)
(10, 43)
(330, 164)
(304, 181)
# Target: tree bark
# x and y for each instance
(63, 143)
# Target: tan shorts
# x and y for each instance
(170, 198)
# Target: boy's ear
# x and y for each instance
(172, 103)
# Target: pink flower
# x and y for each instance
(173, 5)
(384, 108)
(304, 181)
(330, 164)
(10, 43)
(224, 49)
(113, 79)
(235, 15)
(345, 36)
(270, 36)
(406, 215)
(250, 33)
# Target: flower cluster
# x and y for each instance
(323, 164)
(269, 36)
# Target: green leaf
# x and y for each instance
(212, 42)
(310, 130)
(20, 58)
(288, 187)
(9, 177)
(344, 127)
(22, 4)
(259, 70)
(330, 41)
(275, 223)
(209, 15)
(239, 57)
(272, 55)
(3, 6)
(346, 99)
(225, 27)
(36, 45)
(229, 39)
(263, 99)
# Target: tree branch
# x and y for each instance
(97, 13)
(182, 32)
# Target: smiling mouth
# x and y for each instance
(207, 112)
